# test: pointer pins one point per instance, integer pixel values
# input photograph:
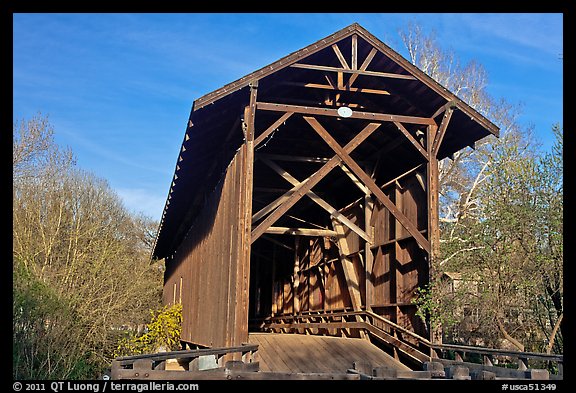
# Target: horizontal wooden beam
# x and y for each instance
(299, 231)
(349, 71)
(339, 88)
(373, 116)
(369, 182)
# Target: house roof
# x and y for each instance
(214, 131)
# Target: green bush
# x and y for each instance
(163, 332)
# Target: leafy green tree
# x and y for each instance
(500, 221)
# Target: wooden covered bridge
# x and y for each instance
(303, 211)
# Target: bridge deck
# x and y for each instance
(316, 354)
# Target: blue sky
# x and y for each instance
(118, 88)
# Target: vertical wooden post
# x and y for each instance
(274, 291)
(241, 275)
(398, 254)
(368, 255)
(296, 276)
(433, 216)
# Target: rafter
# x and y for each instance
(442, 130)
(364, 65)
(349, 71)
(340, 56)
(411, 139)
(273, 127)
(369, 182)
(296, 193)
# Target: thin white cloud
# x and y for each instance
(542, 32)
(140, 200)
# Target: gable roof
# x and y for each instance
(214, 131)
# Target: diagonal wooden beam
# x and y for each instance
(364, 65)
(340, 56)
(354, 179)
(300, 231)
(298, 192)
(411, 139)
(319, 201)
(378, 193)
(443, 108)
(273, 127)
(352, 281)
(442, 130)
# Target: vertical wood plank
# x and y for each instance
(296, 275)
(242, 276)
(354, 52)
(368, 255)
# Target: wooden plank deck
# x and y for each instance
(316, 354)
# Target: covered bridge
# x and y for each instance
(305, 196)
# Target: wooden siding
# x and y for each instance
(206, 266)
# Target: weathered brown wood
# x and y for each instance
(272, 128)
(353, 284)
(433, 213)
(354, 52)
(240, 298)
(400, 176)
(340, 56)
(319, 201)
(442, 130)
(299, 231)
(355, 180)
(368, 255)
(359, 72)
(345, 87)
(364, 65)
(267, 106)
(395, 240)
(422, 241)
(443, 108)
(208, 255)
(413, 141)
(306, 185)
(296, 275)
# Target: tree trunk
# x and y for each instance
(553, 335)
(508, 337)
